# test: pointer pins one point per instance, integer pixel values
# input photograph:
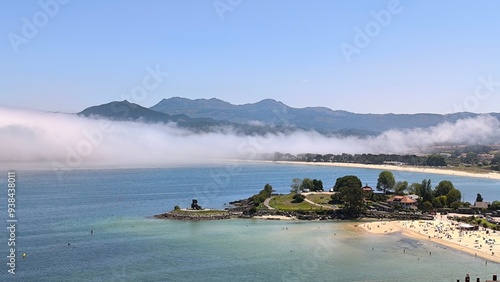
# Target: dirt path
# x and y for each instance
(266, 203)
(313, 203)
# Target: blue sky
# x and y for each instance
(430, 56)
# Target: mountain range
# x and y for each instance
(267, 116)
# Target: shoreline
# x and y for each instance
(443, 232)
(489, 175)
(44, 167)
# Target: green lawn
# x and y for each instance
(284, 203)
(319, 199)
(261, 206)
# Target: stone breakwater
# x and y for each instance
(194, 216)
(299, 215)
(335, 215)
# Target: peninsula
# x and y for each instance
(418, 210)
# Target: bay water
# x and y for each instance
(56, 214)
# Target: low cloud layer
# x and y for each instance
(70, 141)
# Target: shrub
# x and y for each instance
(298, 198)
(176, 208)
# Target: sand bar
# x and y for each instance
(482, 243)
(486, 175)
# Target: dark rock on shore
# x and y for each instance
(197, 216)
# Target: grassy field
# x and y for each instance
(285, 203)
(319, 199)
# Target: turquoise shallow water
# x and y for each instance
(127, 245)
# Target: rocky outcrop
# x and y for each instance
(243, 209)
(194, 216)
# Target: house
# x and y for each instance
(367, 189)
(481, 205)
(413, 196)
(404, 201)
(487, 157)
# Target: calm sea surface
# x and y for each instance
(128, 245)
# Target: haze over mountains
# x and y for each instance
(269, 116)
(195, 131)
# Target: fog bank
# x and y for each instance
(70, 141)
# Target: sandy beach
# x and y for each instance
(482, 243)
(487, 175)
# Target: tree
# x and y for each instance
(317, 185)
(414, 188)
(453, 196)
(455, 205)
(268, 190)
(426, 194)
(351, 195)
(444, 187)
(435, 160)
(348, 180)
(494, 206)
(479, 198)
(471, 158)
(296, 183)
(298, 198)
(401, 187)
(265, 193)
(426, 206)
(307, 183)
(496, 159)
(336, 199)
(385, 181)
(439, 202)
